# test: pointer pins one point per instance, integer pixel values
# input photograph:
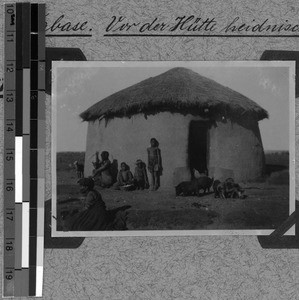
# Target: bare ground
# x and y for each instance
(265, 207)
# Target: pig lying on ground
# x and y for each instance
(187, 188)
(227, 189)
(205, 183)
(190, 188)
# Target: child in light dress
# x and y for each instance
(124, 177)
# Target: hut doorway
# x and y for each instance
(198, 146)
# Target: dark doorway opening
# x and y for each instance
(198, 147)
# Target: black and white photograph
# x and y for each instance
(172, 148)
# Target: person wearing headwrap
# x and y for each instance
(94, 215)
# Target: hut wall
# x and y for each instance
(127, 140)
(236, 151)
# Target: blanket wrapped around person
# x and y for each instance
(94, 215)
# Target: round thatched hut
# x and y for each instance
(199, 124)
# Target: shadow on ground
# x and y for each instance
(169, 220)
(58, 242)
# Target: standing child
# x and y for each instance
(140, 175)
(154, 163)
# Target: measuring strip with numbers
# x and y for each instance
(24, 143)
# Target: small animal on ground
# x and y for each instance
(190, 188)
(227, 189)
(187, 188)
(236, 192)
(79, 169)
(205, 183)
(219, 189)
(233, 190)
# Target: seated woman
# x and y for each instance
(93, 215)
(102, 172)
(124, 177)
(140, 175)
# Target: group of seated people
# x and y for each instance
(102, 174)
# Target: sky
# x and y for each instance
(78, 85)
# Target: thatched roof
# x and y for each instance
(177, 90)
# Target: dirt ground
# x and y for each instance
(265, 207)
